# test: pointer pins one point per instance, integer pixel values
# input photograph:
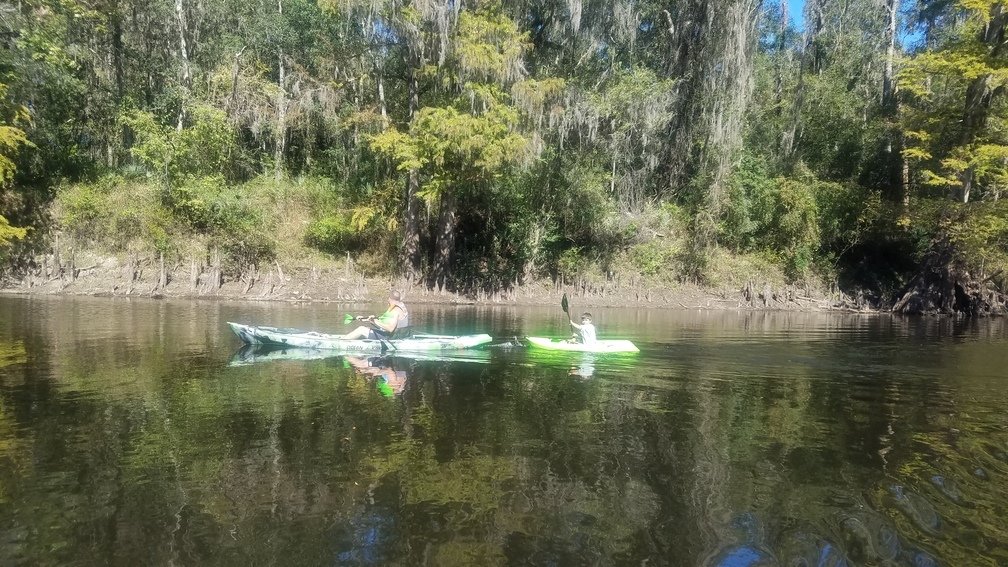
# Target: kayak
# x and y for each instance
(601, 346)
(254, 335)
(254, 354)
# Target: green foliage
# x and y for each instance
(81, 210)
(749, 212)
(797, 224)
(779, 215)
(957, 128)
(119, 215)
(455, 145)
(570, 263)
(114, 214)
(979, 232)
(490, 46)
(12, 138)
(207, 206)
(8, 234)
(205, 147)
(652, 258)
(847, 213)
(334, 234)
(566, 144)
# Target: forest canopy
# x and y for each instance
(487, 144)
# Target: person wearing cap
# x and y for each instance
(586, 331)
(393, 323)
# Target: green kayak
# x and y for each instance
(601, 346)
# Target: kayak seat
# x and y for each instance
(403, 333)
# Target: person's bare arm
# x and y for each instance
(391, 325)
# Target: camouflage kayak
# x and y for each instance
(254, 335)
(255, 354)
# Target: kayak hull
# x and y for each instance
(600, 346)
(255, 354)
(272, 336)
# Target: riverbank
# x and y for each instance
(330, 282)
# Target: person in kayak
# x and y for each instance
(585, 331)
(391, 324)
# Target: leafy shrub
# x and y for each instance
(652, 258)
(207, 207)
(8, 234)
(206, 146)
(796, 231)
(334, 234)
(189, 207)
(81, 210)
(246, 249)
(749, 213)
(570, 263)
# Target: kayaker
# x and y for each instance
(586, 331)
(394, 322)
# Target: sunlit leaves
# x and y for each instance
(955, 126)
(490, 47)
(203, 148)
(9, 233)
(11, 137)
(475, 133)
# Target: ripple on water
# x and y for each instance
(869, 537)
(918, 509)
(950, 489)
(745, 555)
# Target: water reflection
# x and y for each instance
(585, 366)
(132, 433)
(388, 372)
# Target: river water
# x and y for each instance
(133, 432)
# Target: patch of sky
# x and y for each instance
(795, 8)
(909, 36)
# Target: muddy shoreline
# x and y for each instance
(112, 278)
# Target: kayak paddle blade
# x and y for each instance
(348, 319)
(564, 305)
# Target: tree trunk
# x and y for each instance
(790, 134)
(117, 49)
(381, 98)
(411, 232)
(781, 46)
(890, 109)
(281, 133)
(445, 240)
(234, 81)
(184, 56)
(904, 175)
(888, 77)
(411, 228)
(162, 275)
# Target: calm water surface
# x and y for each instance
(133, 433)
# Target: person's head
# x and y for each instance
(586, 317)
(394, 297)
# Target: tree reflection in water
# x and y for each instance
(128, 437)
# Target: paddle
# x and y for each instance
(566, 307)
